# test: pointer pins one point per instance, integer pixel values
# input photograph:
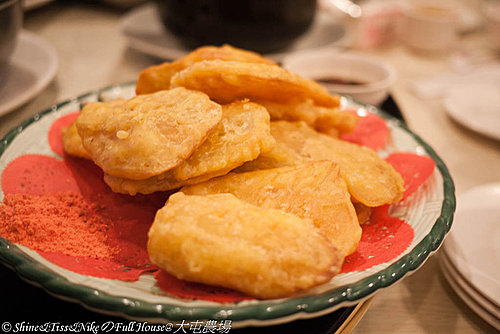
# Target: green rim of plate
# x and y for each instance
(40, 275)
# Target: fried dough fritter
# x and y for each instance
(243, 133)
(156, 78)
(161, 182)
(147, 134)
(313, 190)
(72, 143)
(228, 81)
(363, 212)
(221, 240)
(331, 121)
(371, 180)
(280, 156)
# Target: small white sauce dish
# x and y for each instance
(366, 79)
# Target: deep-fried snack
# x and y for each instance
(148, 134)
(313, 190)
(280, 156)
(228, 81)
(161, 182)
(371, 180)
(242, 134)
(72, 143)
(156, 78)
(331, 121)
(221, 240)
(363, 212)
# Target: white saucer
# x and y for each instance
(145, 32)
(477, 303)
(32, 67)
(468, 290)
(473, 246)
(476, 104)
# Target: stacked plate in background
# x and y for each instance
(470, 259)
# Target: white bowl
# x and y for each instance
(364, 78)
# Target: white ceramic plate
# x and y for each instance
(472, 293)
(32, 67)
(477, 303)
(145, 32)
(473, 246)
(429, 212)
(476, 104)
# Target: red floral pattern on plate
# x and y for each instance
(371, 131)
(415, 169)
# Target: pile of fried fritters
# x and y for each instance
(270, 200)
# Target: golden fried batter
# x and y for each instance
(243, 133)
(148, 134)
(363, 212)
(221, 240)
(156, 78)
(370, 179)
(228, 81)
(164, 181)
(281, 155)
(313, 190)
(331, 121)
(72, 143)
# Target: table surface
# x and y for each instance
(93, 53)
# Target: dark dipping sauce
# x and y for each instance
(341, 81)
